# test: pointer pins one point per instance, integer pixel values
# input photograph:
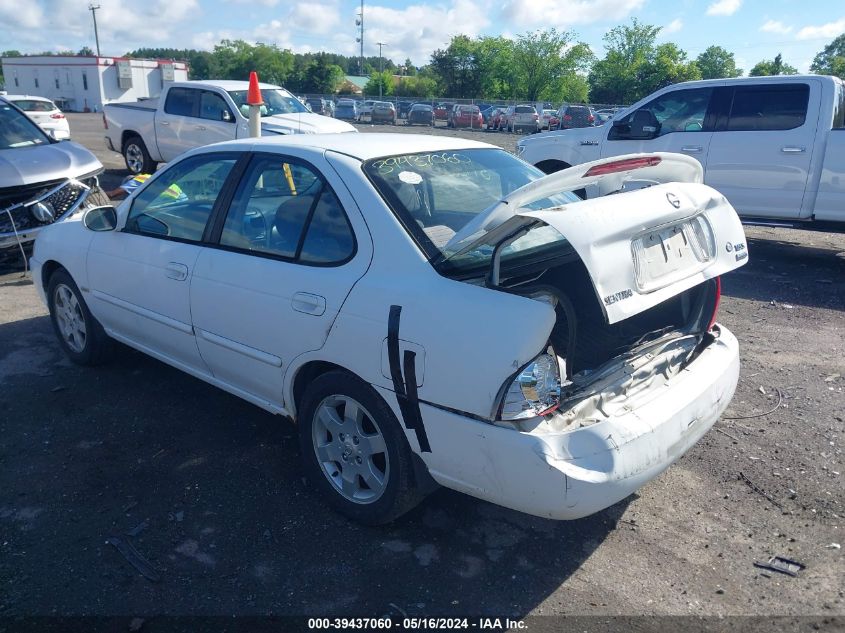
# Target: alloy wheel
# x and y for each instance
(350, 449)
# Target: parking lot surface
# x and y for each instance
(209, 490)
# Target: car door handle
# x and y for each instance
(308, 303)
(177, 271)
(201, 127)
(691, 149)
(793, 150)
(165, 122)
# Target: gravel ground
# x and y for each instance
(211, 489)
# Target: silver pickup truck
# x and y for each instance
(190, 114)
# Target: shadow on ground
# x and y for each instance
(211, 489)
(790, 272)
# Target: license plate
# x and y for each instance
(663, 256)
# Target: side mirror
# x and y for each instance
(100, 219)
(642, 125)
(226, 116)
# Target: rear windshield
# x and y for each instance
(436, 194)
(16, 130)
(524, 109)
(421, 108)
(31, 105)
(470, 109)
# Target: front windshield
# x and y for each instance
(17, 130)
(276, 101)
(436, 194)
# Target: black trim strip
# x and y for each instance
(393, 349)
(413, 403)
(406, 392)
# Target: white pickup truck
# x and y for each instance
(774, 146)
(189, 114)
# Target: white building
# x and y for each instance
(82, 83)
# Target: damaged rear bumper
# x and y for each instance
(575, 473)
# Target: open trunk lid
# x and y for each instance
(640, 248)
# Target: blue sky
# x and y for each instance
(751, 29)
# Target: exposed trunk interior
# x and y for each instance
(582, 335)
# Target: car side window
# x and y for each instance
(181, 102)
(178, 203)
(839, 107)
(764, 108)
(284, 208)
(329, 238)
(675, 111)
(213, 107)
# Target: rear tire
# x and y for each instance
(354, 450)
(136, 156)
(81, 336)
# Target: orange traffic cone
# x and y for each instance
(253, 96)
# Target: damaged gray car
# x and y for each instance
(41, 180)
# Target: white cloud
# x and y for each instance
(831, 29)
(544, 13)
(419, 29)
(673, 27)
(266, 3)
(38, 25)
(724, 7)
(20, 14)
(774, 26)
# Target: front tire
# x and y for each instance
(136, 156)
(354, 450)
(81, 336)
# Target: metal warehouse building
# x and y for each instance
(82, 83)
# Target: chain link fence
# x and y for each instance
(483, 104)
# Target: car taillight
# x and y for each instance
(105, 121)
(591, 118)
(625, 164)
(716, 304)
(57, 115)
(535, 117)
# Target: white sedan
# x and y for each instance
(428, 310)
(45, 113)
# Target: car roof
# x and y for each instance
(27, 97)
(364, 146)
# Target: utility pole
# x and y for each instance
(380, 67)
(93, 9)
(360, 24)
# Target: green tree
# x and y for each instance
(235, 59)
(717, 63)
(415, 86)
(321, 76)
(383, 80)
(85, 51)
(457, 68)
(410, 69)
(542, 59)
(831, 60)
(635, 65)
(776, 66)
